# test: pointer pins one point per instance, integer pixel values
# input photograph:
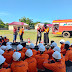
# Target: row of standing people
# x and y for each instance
(15, 33)
(54, 59)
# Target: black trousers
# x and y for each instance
(38, 38)
(46, 38)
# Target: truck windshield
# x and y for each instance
(55, 27)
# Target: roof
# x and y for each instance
(50, 25)
(17, 23)
(66, 20)
(40, 24)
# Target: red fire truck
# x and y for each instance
(62, 27)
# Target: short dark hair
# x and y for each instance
(23, 44)
(66, 46)
(52, 41)
(22, 27)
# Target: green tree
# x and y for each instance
(1, 24)
(46, 23)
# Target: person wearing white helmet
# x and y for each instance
(1, 52)
(3, 47)
(33, 50)
(41, 45)
(40, 58)
(57, 49)
(67, 42)
(62, 42)
(8, 43)
(3, 65)
(8, 54)
(32, 63)
(18, 65)
(53, 44)
(57, 66)
(68, 56)
(19, 49)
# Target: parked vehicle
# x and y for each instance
(62, 27)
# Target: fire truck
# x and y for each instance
(62, 27)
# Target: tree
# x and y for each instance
(1, 24)
(46, 23)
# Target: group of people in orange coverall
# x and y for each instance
(54, 59)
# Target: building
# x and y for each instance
(18, 24)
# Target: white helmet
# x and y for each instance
(54, 44)
(19, 47)
(56, 55)
(40, 44)
(3, 47)
(67, 42)
(16, 56)
(62, 41)
(31, 45)
(8, 43)
(57, 49)
(29, 53)
(1, 51)
(42, 48)
(8, 47)
(2, 59)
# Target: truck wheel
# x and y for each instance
(66, 34)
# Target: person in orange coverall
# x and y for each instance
(19, 49)
(63, 51)
(33, 50)
(24, 49)
(32, 63)
(2, 62)
(8, 54)
(57, 66)
(40, 44)
(68, 56)
(62, 42)
(51, 51)
(40, 58)
(18, 65)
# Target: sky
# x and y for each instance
(38, 10)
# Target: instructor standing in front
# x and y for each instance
(46, 33)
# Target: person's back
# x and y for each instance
(55, 67)
(8, 56)
(22, 55)
(58, 65)
(32, 64)
(40, 59)
(19, 66)
(68, 55)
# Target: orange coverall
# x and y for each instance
(19, 66)
(40, 59)
(32, 64)
(55, 67)
(8, 56)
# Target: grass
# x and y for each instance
(32, 34)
